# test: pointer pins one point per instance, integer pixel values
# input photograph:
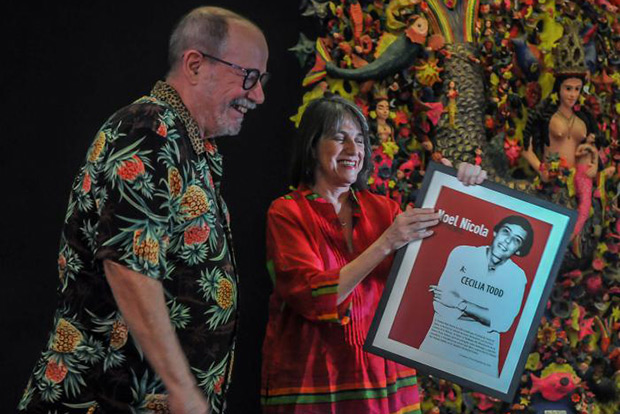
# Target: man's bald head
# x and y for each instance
(204, 28)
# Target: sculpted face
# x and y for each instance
(222, 102)
(506, 242)
(383, 110)
(340, 155)
(570, 90)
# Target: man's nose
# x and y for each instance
(257, 94)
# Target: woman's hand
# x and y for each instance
(467, 173)
(412, 224)
(470, 174)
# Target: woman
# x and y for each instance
(566, 134)
(329, 247)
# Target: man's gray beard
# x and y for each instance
(224, 127)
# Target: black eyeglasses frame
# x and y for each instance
(251, 75)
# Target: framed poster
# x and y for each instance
(465, 303)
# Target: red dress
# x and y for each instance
(313, 361)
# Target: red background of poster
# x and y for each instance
(415, 314)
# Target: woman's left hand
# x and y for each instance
(468, 174)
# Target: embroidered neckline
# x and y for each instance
(310, 195)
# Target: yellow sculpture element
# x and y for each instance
(552, 30)
(337, 86)
(554, 367)
(385, 41)
(452, 94)
(390, 148)
(533, 361)
(428, 72)
(615, 314)
(524, 401)
(315, 93)
(332, 85)
(393, 10)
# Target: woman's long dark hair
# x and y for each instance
(324, 116)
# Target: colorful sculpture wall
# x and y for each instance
(459, 79)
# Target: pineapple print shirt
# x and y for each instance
(147, 197)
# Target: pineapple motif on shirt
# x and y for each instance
(147, 197)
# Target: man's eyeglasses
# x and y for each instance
(251, 76)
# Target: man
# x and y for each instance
(478, 297)
(148, 285)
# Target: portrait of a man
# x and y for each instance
(464, 305)
(478, 297)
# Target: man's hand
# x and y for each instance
(190, 401)
(141, 301)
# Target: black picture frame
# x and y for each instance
(465, 339)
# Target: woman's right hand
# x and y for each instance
(412, 224)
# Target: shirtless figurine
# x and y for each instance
(561, 129)
(568, 135)
(384, 130)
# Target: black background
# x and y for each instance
(66, 67)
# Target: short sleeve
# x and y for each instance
(129, 170)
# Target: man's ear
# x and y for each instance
(191, 64)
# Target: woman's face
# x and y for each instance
(340, 155)
(570, 90)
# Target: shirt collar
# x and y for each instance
(491, 267)
(166, 93)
